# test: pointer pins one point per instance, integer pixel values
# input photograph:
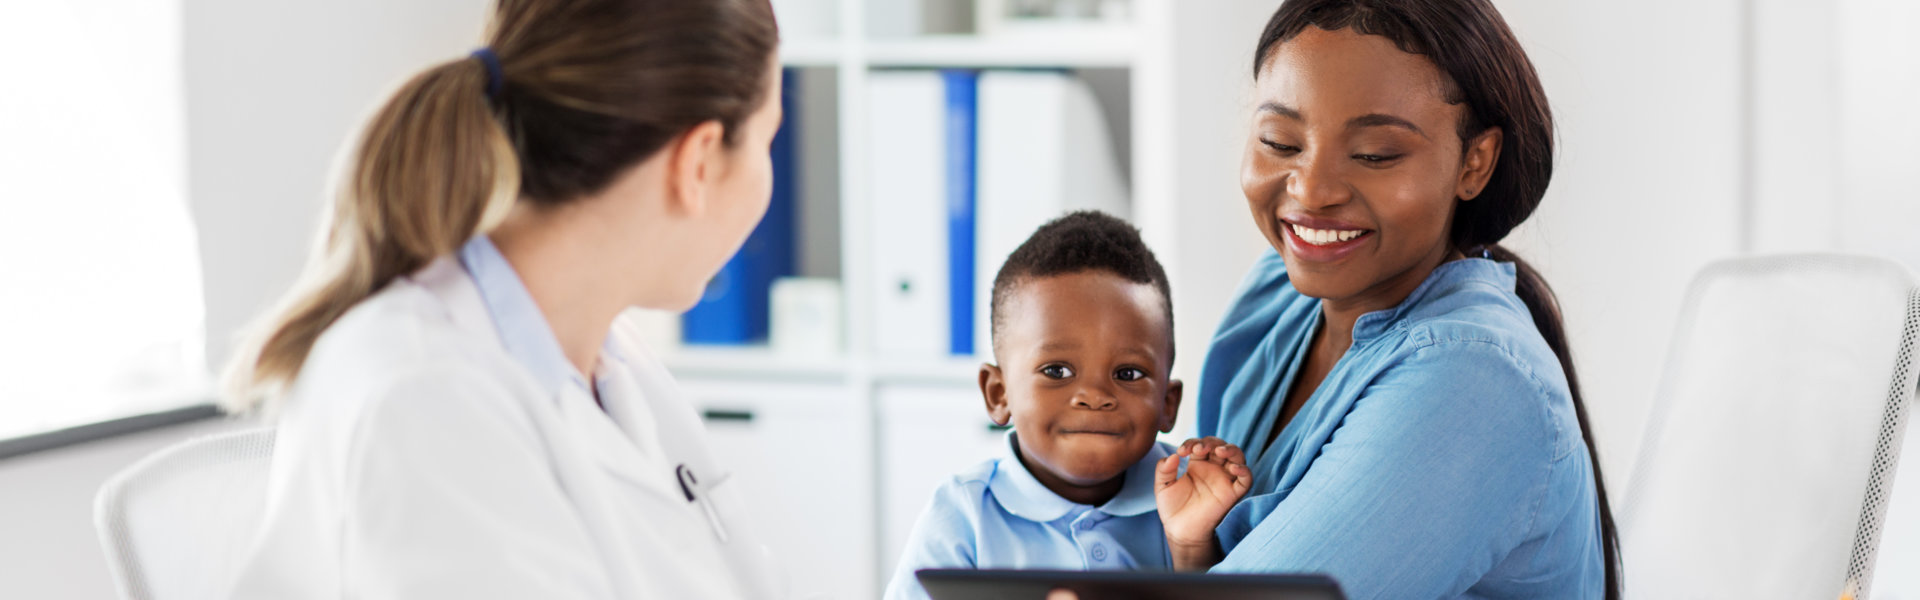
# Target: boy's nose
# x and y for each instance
(1093, 399)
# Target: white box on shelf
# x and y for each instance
(895, 19)
(1040, 17)
(806, 319)
(659, 329)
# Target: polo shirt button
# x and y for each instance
(1099, 552)
(1086, 525)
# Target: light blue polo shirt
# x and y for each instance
(996, 515)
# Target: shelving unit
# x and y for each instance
(1169, 77)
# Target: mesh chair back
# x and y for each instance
(173, 523)
(1770, 450)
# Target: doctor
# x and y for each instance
(461, 411)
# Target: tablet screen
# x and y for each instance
(992, 584)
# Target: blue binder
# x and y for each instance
(962, 140)
(734, 310)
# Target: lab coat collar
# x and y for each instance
(523, 328)
(619, 427)
(1017, 490)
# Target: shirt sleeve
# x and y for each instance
(1434, 476)
(942, 538)
(450, 494)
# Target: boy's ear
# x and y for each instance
(1170, 410)
(993, 389)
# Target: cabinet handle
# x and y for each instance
(736, 416)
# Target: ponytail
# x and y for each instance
(567, 95)
(1545, 308)
(433, 168)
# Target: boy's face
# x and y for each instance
(1083, 375)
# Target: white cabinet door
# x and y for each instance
(927, 434)
(800, 451)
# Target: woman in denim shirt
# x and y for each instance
(1400, 383)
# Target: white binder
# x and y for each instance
(1044, 151)
(907, 186)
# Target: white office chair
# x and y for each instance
(173, 523)
(1771, 447)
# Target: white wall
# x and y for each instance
(1879, 80)
(273, 91)
(1645, 187)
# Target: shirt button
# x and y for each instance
(1099, 552)
(1086, 525)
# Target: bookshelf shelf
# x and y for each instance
(811, 52)
(763, 364)
(1107, 50)
(752, 363)
(1085, 50)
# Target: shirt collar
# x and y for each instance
(1444, 279)
(523, 328)
(1016, 489)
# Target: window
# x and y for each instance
(101, 314)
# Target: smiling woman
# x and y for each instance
(1400, 383)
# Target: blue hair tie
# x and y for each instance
(495, 78)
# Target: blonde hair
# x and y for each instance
(588, 88)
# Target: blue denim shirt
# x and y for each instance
(1441, 457)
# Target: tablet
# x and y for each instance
(997, 584)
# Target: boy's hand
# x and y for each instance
(1193, 505)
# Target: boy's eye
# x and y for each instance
(1056, 371)
(1129, 374)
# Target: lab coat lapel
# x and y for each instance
(643, 397)
(635, 459)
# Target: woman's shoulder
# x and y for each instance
(404, 337)
(1472, 347)
(1473, 303)
(399, 327)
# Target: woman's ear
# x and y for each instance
(1170, 409)
(993, 389)
(692, 166)
(1482, 155)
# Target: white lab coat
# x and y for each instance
(416, 459)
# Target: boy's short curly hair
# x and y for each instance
(1078, 242)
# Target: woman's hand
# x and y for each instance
(1191, 506)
